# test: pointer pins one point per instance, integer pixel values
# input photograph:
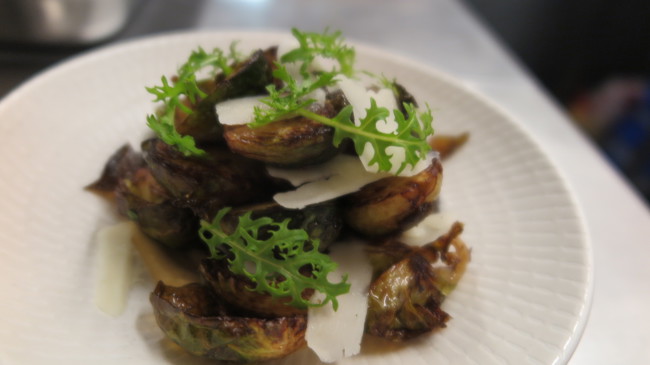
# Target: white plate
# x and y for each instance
(524, 299)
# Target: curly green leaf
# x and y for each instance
(171, 94)
(276, 263)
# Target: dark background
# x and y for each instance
(593, 56)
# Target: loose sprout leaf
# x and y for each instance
(170, 94)
(278, 259)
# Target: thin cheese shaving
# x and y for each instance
(239, 110)
(333, 335)
(339, 176)
(114, 267)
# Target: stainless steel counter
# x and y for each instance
(445, 35)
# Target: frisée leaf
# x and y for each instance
(284, 263)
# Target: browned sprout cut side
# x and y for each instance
(287, 143)
(404, 301)
(393, 204)
(292, 142)
(192, 317)
(221, 178)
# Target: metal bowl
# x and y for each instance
(62, 22)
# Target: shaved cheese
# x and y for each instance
(339, 176)
(238, 111)
(114, 267)
(359, 95)
(333, 335)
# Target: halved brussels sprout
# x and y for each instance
(291, 142)
(193, 317)
(221, 178)
(142, 199)
(404, 301)
(250, 77)
(394, 203)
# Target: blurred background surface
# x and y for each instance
(592, 56)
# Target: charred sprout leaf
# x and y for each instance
(192, 317)
(278, 262)
(404, 301)
(170, 94)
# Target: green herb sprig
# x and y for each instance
(293, 100)
(171, 94)
(328, 45)
(278, 259)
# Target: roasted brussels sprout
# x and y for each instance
(121, 164)
(236, 291)
(288, 143)
(192, 317)
(404, 301)
(394, 203)
(218, 179)
(141, 198)
(249, 77)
